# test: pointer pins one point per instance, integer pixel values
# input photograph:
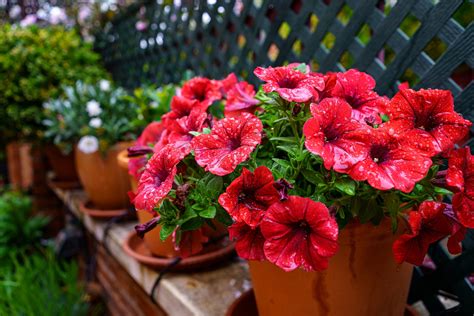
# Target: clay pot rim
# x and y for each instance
(100, 213)
(195, 262)
(374, 233)
(123, 159)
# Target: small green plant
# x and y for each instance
(97, 115)
(41, 285)
(20, 231)
(151, 103)
(34, 63)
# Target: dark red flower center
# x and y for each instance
(426, 123)
(247, 198)
(303, 227)
(199, 94)
(379, 153)
(287, 83)
(233, 144)
(160, 177)
(330, 134)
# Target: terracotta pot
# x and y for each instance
(63, 166)
(152, 239)
(123, 160)
(104, 181)
(362, 279)
(20, 165)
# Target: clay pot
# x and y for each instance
(104, 181)
(63, 166)
(20, 165)
(123, 159)
(152, 239)
(362, 279)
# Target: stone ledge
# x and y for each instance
(207, 293)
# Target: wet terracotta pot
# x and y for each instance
(104, 181)
(152, 239)
(123, 159)
(63, 166)
(362, 279)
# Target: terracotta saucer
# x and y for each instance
(213, 253)
(88, 209)
(63, 185)
(245, 305)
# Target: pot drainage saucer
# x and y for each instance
(213, 253)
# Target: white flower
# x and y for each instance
(95, 122)
(93, 108)
(84, 14)
(28, 20)
(57, 15)
(104, 85)
(41, 14)
(88, 144)
(154, 105)
(15, 12)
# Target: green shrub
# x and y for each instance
(19, 230)
(34, 63)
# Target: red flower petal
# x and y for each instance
(332, 135)
(299, 232)
(230, 143)
(428, 225)
(240, 99)
(190, 243)
(204, 90)
(389, 164)
(431, 114)
(292, 85)
(249, 241)
(157, 179)
(249, 195)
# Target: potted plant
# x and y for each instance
(180, 195)
(336, 178)
(97, 117)
(34, 63)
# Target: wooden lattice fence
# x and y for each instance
(419, 41)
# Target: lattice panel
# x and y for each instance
(418, 41)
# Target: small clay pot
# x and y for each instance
(63, 165)
(152, 238)
(362, 279)
(104, 181)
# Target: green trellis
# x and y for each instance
(415, 40)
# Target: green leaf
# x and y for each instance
(194, 133)
(442, 191)
(210, 212)
(281, 162)
(346, 186)
(215, 184)
(193, 224)
(206, 130)
(166, 231)
(313, 176)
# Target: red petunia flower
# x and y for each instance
(180, 131)
(249, 241)
(299, 232)
(427, 117)
(427, 225)
(330, 80)
(390, 164)
(181, 107)
(357, 88)
(230, 142)
(204, 90)
(151, 135)
(240, 99)
(190, 243)
(291, 84)
(333, 135)
(227, 83)
(249, 195)
(460, 179)
(157, 179)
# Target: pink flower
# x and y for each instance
(240, 99)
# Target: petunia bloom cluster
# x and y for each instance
(296, 160)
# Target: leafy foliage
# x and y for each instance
(34, 63)
(19, 230)
(151, 103)
(41, 285)
(68, 118)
